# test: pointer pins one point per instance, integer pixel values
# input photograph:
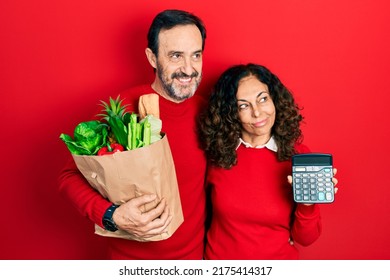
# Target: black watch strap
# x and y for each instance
(108, 221)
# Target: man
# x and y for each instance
(175, 46)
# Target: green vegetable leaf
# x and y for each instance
(119, 129)
(88, 138)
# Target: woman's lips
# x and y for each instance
(260, 123)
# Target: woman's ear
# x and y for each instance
(151, 57)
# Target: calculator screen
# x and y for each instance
(309, 159)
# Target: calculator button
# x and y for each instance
(329, 196)
(300, 169)
(321, 196)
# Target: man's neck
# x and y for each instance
(158, 88)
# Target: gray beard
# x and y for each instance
(172, 91)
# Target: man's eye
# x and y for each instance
(175, 56)
(197, 56)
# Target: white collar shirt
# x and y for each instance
(270, 145)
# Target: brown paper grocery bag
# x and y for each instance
(125, 175)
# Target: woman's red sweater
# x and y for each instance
(254, 215)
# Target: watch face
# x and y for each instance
(109, 225)
(108, 222)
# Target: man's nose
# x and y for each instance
(187, 66)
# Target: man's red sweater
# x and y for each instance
(254, 215)
(179, 123)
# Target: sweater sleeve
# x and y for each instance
(73, 186)
(307, 224)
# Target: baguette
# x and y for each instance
(148, 105)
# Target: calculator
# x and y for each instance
(312, 178)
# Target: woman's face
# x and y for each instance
(256, 111)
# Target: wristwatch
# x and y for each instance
(108, 222)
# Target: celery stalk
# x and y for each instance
(147, 133)
(129, 136)
(133, 125)
(138, 134)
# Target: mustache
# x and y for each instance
(184, 75)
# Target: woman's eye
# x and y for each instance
(242, 106)
(262, 99)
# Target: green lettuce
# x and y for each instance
(88, 138)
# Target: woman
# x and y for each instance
(250, 130)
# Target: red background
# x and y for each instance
(59, 58)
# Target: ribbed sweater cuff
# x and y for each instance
(308, 211)
(98, 212)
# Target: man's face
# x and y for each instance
(179, 62)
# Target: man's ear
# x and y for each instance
(151, 57)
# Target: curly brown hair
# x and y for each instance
(220, 127)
